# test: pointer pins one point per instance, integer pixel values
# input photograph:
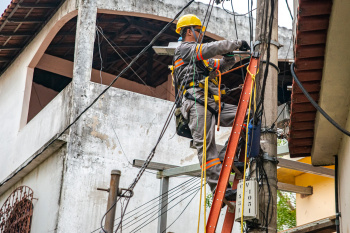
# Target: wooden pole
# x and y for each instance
(268, 138)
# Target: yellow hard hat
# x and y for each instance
(188, 20)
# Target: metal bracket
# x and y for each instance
(266, 157)
(120, 193)
(269, 130)
(275, 43)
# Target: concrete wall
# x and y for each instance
(344, 174)
(137, 121)
(136, 118)
(19, 140)
(46, 183)
(318, 205)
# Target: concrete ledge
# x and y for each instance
(32, 162)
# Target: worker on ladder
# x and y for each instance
(192, 63)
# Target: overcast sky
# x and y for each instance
(240, 6)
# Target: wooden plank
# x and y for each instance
(25, 20)
(300, 149)
(37, 5)
(301, 98)
(310, 8)
(16, 34)
(307, 168)
(309, 75)
(294, 188)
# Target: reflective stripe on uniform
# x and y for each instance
(199, 52)
(212, 162)
(178, 63)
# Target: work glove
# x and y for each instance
(230, 54)
(245, 46)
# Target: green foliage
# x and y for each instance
(281, 142)
(209, 200)
(286, 212)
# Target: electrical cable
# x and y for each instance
(167, 121)
(290, 12)
(313, 102)
(260, 107)
(97, 98)
(234, 13)
(155, 201)
(140, 227)
(181, 212)
(149, 158)
(151, 208)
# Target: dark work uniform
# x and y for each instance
(186, 73)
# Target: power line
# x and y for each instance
(181, 211)
(313, 102)
(182, 192)
(290, 12)
(142, 226)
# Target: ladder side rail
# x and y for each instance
(230, 214)
(231, 148)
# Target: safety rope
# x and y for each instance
(204, 159)
(219, 95)
(246, 139)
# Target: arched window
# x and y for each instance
(16, 213)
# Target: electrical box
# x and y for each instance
(251, 200)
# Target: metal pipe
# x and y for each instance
(112, 198)
(337, 214)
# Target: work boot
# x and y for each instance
(231, 194)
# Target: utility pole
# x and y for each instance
(112, 198)
(268, 138)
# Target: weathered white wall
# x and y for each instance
(344, 174)
(137, 120)
(18, 140)
(46, 182)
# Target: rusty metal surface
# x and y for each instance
(16, 213)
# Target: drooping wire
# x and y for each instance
(167, 120)
(232, 13)
(150, 221)
(313, 102)
(152, 208)
(181, 212)
(149, 158)
(290, 12)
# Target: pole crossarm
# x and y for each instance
(307, 168)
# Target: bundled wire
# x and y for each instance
(151, 155)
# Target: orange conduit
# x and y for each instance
(238, 67)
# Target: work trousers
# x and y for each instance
(194, 112)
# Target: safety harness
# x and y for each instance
(182, 127)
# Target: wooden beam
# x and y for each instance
(294, 188)
(307, 168)
(38, 5)
(10, 47)
(167, 170)
(12, 34)
(123, 45)
(26, 20)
